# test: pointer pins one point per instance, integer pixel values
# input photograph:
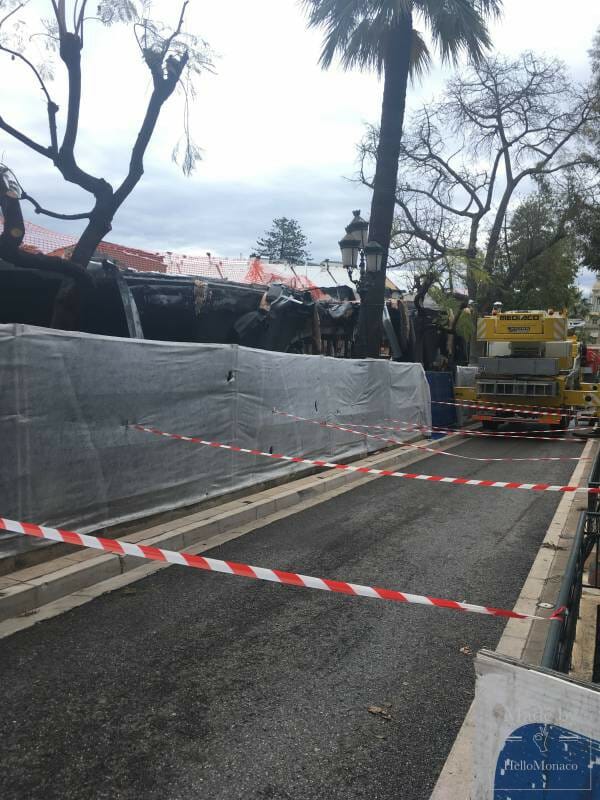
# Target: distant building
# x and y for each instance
(316, 278)
(42, 240)
(592, 321)
(595, 298)
(122, 256)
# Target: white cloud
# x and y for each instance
(585, 280)
(278, 133)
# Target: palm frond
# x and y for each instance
(420, 57)
(459, 26)
(490, 8)
(355, 30)
(364, 47)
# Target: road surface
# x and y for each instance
(194, 686)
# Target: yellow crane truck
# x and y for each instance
(529, 361)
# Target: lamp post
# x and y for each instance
(357, 251)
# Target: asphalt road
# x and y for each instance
(194, 686)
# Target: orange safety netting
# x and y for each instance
(43, 240)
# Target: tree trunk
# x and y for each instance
(473, 290)
(494, 237)
(97, 228)
(108, 201)
(396, 73)
(13, 230)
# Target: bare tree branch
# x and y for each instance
(169, 53)
(52, 108)
(498, 125)
(169, 40)
(159, 95)
(26, 140)
(40, 210)
(15, 10)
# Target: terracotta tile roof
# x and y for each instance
(123, 256)
(42, 240)
(282, 273)
(240, 270)
(229, 269)
(133, 257)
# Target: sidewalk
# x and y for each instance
(524, 640)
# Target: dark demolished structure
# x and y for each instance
(105, 299)
(146, 305)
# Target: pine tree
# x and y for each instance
(284, 242)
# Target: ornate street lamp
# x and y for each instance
(374, 254)
(354, 244)
(359, 228)
(350, 246)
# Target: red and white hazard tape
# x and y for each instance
(411, 426)
(535, 410)
(466, 432)
(261, 573)
(536, 487)
(433, 450)
(511, 406)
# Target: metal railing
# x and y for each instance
(594, 483)
(559, 642)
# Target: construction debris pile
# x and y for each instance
(169, 297)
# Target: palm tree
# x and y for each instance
(379, 35)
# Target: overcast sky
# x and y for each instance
(278, 134)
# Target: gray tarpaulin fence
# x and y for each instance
(69, 459)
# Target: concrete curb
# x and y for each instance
(522, 639)
(49, 586)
